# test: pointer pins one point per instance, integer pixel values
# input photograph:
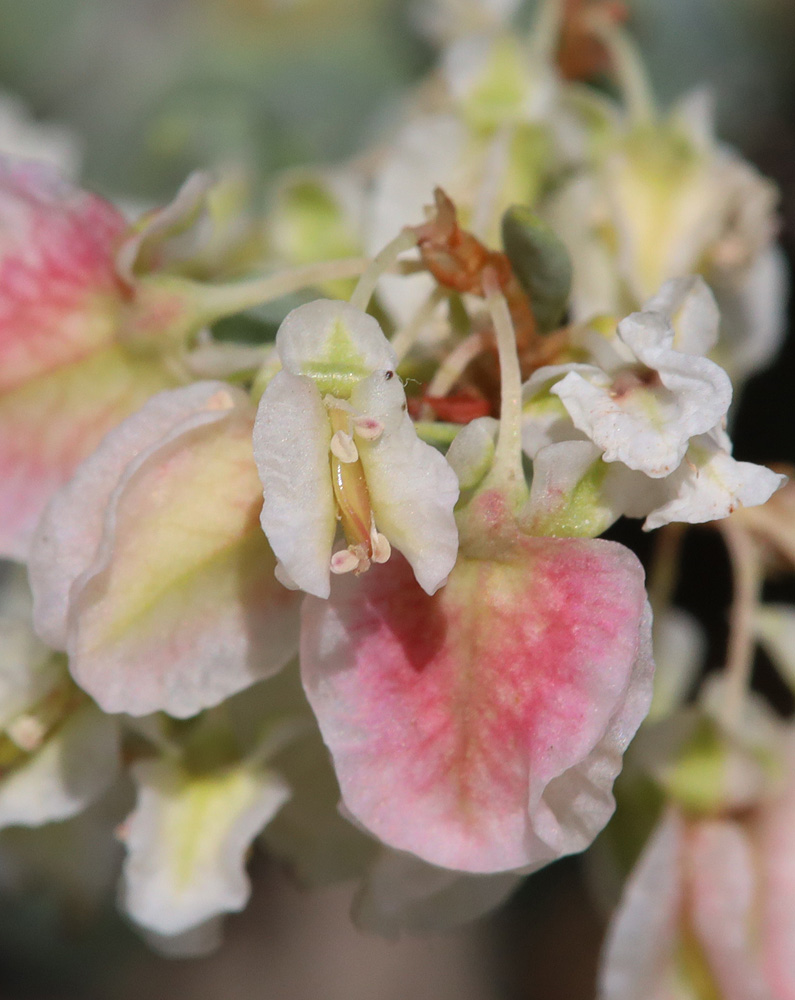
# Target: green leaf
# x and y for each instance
(541, 263)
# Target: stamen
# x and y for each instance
(344, 447)
(345, 561)
(368, 428)
(382, 550)
(350, 485)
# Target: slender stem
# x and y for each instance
(632, 78)
(747, 588)
(382, 262)
(664, 572)
(453, 366)
(406, 336)
(216, 301)
(507, 466)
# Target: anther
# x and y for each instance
(343, 447)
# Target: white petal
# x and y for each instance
(71, 527)
(292, 436)
(187, 841)
(710, 485)
(325, 334)
(689, 305)
(412, 488)
(71, 769)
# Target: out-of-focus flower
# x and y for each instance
(94, 319)
(708, 910)
(150, 568)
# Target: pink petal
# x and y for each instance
(641, 944)
(50, 424)
(482, 728)
(775, 839)
(180, 608)
(59, 292)
(722, 887)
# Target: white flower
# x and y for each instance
(648, 395)
(333, 441)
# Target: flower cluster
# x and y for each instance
(343, 590)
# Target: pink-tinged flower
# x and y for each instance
(481, 728)
(65, 376)
(334, 442)
(93, 316)
(150, 568)
(710, 907)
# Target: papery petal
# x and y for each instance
(58, 289)
(721, 873)
(52, 423)
(71, 769)
(292, 435)
(324, 335)
(180, 607)
(641, 943)
(71, 529)
(403, 893)
(187, 841)
(710, 485)
(481, 729)
(690, 307)
(648, 427)
(412, 488)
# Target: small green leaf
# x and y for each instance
(541, 263)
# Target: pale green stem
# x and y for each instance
(216, 301)
(406, 336)
(629, 69)
(382, 262)
(507, 467)
(747, 588)
(454, 365)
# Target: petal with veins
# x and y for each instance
(482, 728)
(180, 607)
(70, 531)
